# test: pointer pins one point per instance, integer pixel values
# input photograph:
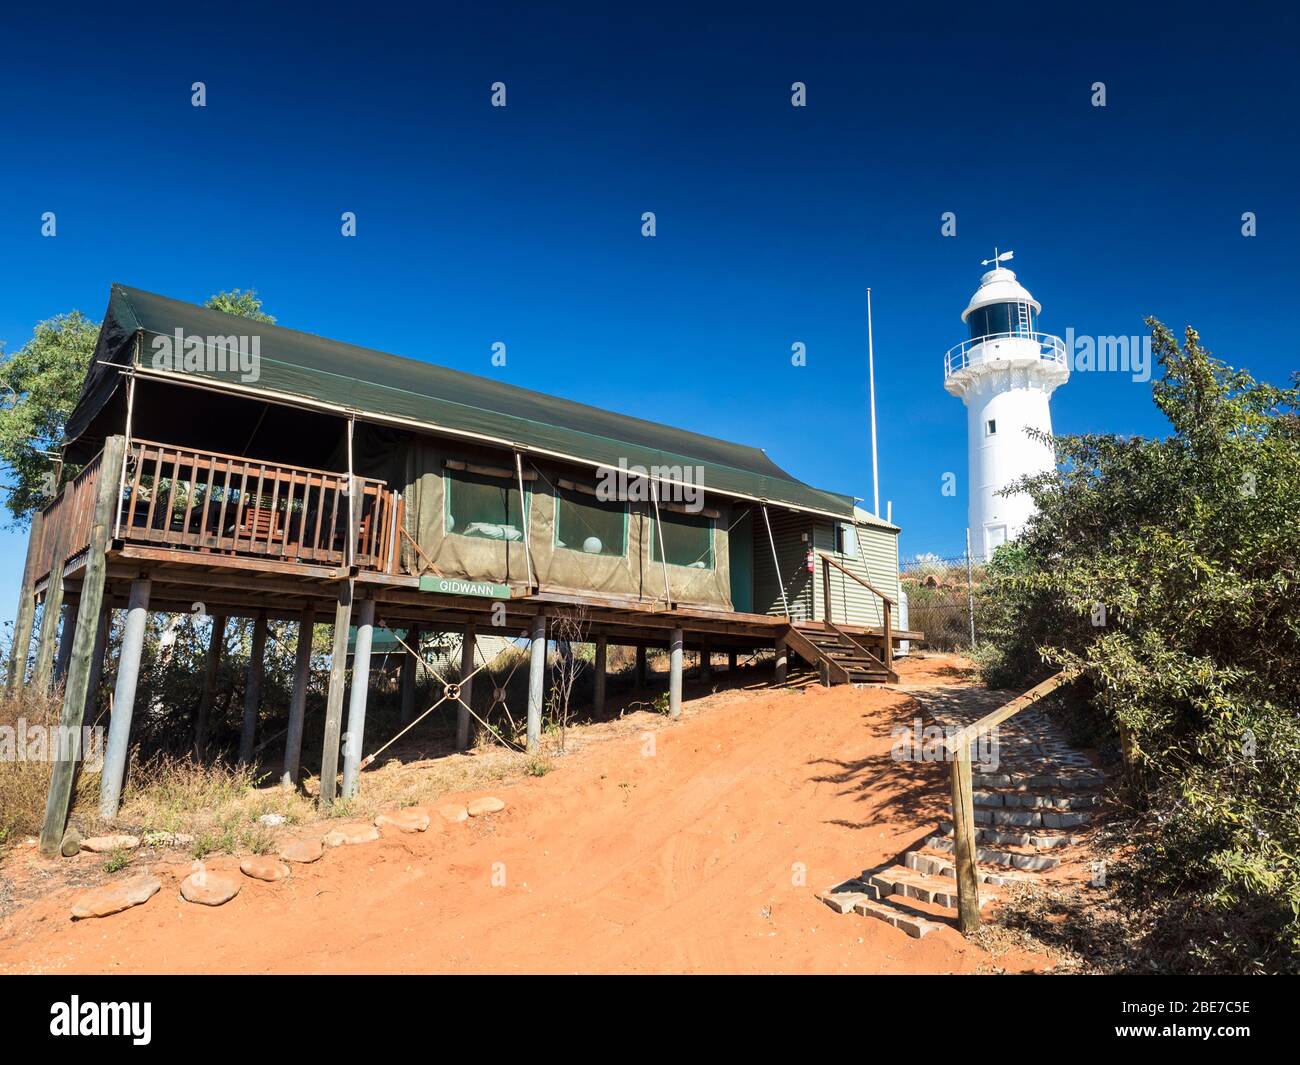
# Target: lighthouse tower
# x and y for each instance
(1005, 374)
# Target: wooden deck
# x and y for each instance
(243, 536)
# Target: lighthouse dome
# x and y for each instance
(999, 286)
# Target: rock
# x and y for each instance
(71, 845)
(486, 805)
(410, 820)
(113, 898)
(107, 844)
(351, 834)
(274, 820)
(209, 889)
(300, 849)
(167, 839)
(453, 812)
(264, 867)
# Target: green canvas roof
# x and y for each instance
(310, 370)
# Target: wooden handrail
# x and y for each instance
(989, 721)
(861, 580)
(887, 609)
(964, 847)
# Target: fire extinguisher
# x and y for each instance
(811, 568)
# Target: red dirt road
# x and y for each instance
(684, 860)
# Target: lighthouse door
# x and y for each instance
(994, 537)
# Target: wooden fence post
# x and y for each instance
(963, 836)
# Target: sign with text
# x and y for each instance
(461, 586)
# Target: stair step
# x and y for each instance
(1077, 778)
(862, 903)
(912, 884)
(934, 865)
(1002, 817)
(1026, 800)
(1043, 841)
(997, 857)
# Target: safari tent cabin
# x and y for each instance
(274, 473)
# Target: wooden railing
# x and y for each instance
(227, 505)
(963, 798)
(65, 526)
(887, 660)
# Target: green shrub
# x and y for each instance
(1167, 573)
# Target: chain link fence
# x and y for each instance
(941, 599)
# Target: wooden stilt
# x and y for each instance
(706, 665)
(638, 674)
(782, 662)
(355, 739)
(67, 630)
(536, 681)
(253, 689)
(86, 627)
(97, 662)
(216, 640)
(298, 701)
(408, 677)
(47, 642)
(466, 688)
(675, 673)
(16, 673)
(128, 674)
(598, 693)
(731, 661)
(329, 760)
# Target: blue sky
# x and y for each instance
(523, 224)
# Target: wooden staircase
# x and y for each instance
(839, 657)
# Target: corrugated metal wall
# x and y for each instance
(791, 551)
(877, 562)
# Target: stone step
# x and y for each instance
(1066, 778)
(858, 902)
(944, 844)
(933, 865)
(1043, 841)
(1000, 816)
(913, 884)
(1026, 800)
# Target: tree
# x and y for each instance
(40, 384)
(244, 304)
(1168, 573)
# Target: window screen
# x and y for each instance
(687, 539)
(585, 523)
(486, 507)
(846, 540)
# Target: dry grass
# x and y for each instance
(216, 805)
(25, 784)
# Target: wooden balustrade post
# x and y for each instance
(826, 591)
(963, 835)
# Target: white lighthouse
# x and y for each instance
(1005, 374)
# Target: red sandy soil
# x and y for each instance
(686, 860)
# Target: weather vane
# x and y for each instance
(1002, 258)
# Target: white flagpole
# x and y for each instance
(871, 373)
